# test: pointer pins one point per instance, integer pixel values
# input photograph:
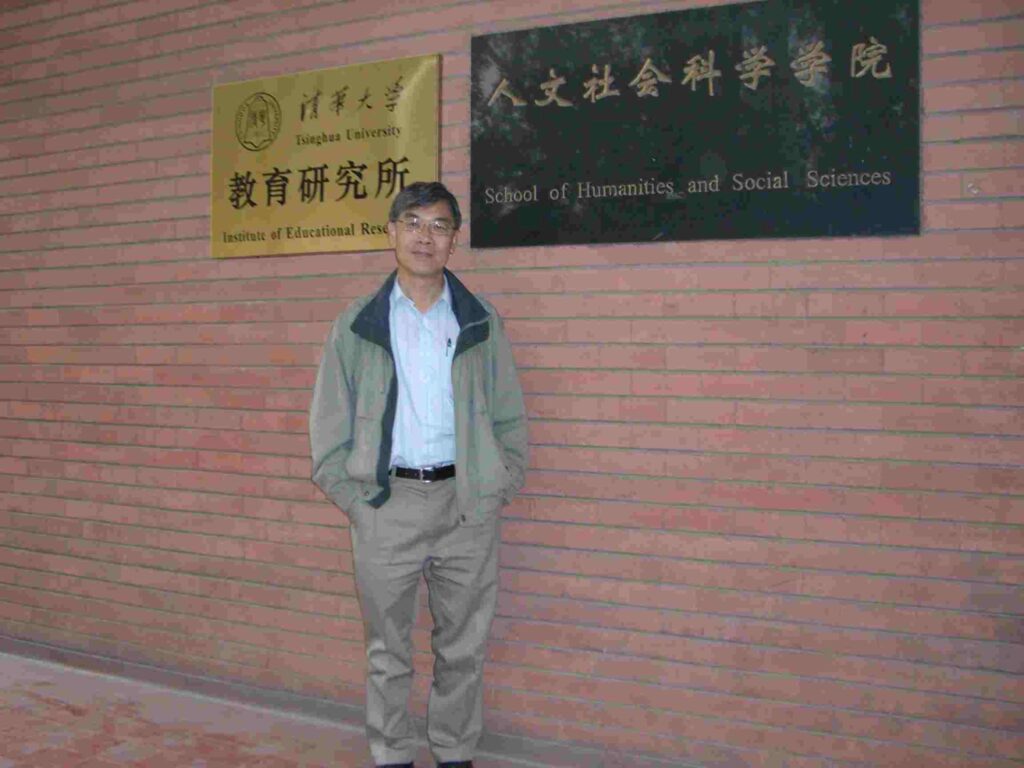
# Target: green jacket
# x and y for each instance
(353, 409)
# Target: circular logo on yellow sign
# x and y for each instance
(258, 121)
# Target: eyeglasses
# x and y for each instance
(437, 227)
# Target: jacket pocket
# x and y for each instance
(359, 514)
(493, 476)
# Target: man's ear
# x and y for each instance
(392, 234)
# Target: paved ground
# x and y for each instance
(53, 716)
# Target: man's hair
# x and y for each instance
(423, 193)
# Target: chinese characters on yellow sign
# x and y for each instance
(778, 118)
(310, 162)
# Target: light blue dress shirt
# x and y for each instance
(423, 344)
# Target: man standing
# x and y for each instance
(418, 433)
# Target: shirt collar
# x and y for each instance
(398, 296)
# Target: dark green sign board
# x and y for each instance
(797, 118)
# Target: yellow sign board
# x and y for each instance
(310, 162)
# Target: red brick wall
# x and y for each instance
(775, 508)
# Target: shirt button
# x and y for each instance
(462, 518)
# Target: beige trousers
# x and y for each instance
(419, 531)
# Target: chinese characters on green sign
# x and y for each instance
(769, 119)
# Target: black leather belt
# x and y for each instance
(428, 475)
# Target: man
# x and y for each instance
(418, 433)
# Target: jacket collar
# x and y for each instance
(372, 322)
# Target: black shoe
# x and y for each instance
(397, 765)
(457, 764)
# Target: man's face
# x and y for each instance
(423, 239)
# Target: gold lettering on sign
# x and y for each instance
(811, 63)
(755, 65)
(505, 90)
(647, 79)
(700, 69)
(550, 88)
(597, 88)
(866, 58)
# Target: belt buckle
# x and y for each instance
(423, 475)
